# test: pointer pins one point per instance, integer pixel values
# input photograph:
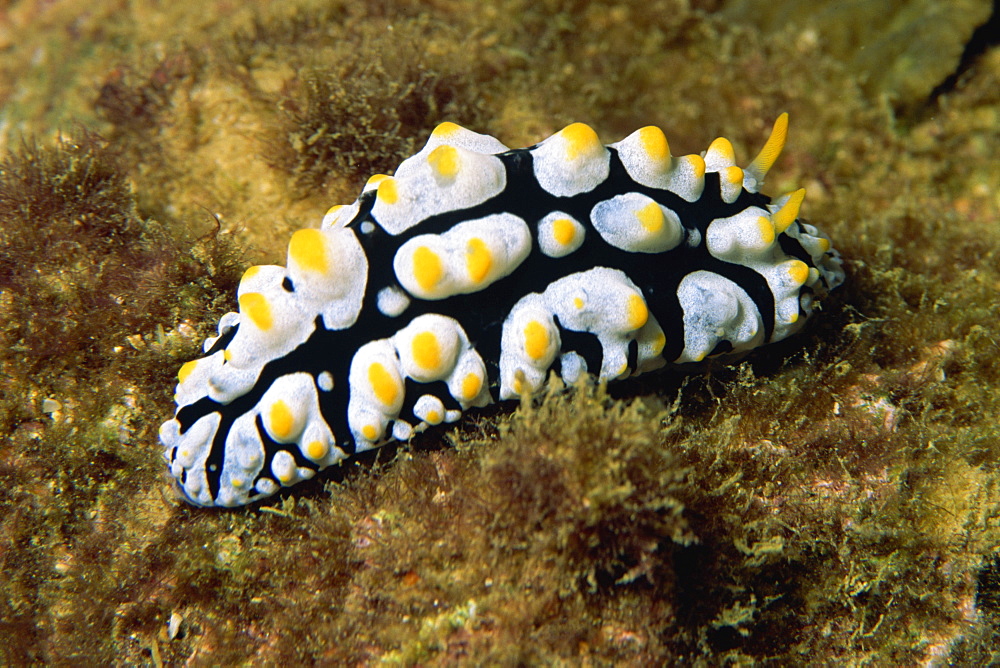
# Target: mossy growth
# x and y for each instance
(135, 99)
(981, 646)
(372, 109)
(86, 285)
(79, 268)
(742, 520)
(548, 513)
(830, 500)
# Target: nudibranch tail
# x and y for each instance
(469, 275)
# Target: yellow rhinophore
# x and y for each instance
(772, 149)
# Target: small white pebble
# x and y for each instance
(174, 625)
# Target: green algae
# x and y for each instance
(830, 499)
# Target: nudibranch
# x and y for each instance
(471, 274)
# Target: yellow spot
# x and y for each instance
(227, 355)
(581, 141)
(426, 351)
(332, 217)
(696, 163)
(651, 217)
(766, 229)
(700, 356)
(308, 249)
(638, 312)
(444, 160)
(255, 306)
(471, 385)
(285, 475)
(789, 211)
(578, 303)
(654, 143)
(369, 432)
(317, 450)
(733, 174)
(563, 231)
(186, 370)
(536, 340)
(824, 244)
(236, 482)
(434, 417)
(622, 369)
(446, 129)
(427, 267)
(798, 271)
(772, 149)
(387, 191)
(659, 342)
(375, 179)
(793, 318)
(722, 150)
(250, 273)
(383, 384)
(281, 419)
(478, 259)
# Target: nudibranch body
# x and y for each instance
(473, 272)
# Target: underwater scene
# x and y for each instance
(461, 333)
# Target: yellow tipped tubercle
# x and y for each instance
(256, 307)
(426, 351)
(654, 142)
(387, 191)
(798, 271)
(250, 273)
(427, 267)
(186, 370)
(563, 231)
(316, 450)
(536, 340)
(651, 217)
(478, 259)
(308, 250)
(696, 163)
(638, 312)
(733, 175)
(444, 161)
(446, 129)
(767, 231)
(384, 386)
(282, 420)
(721, 151)
(471, 385)
(581, 141)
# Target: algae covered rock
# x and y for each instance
(901, 48)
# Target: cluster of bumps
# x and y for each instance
(569, 256)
